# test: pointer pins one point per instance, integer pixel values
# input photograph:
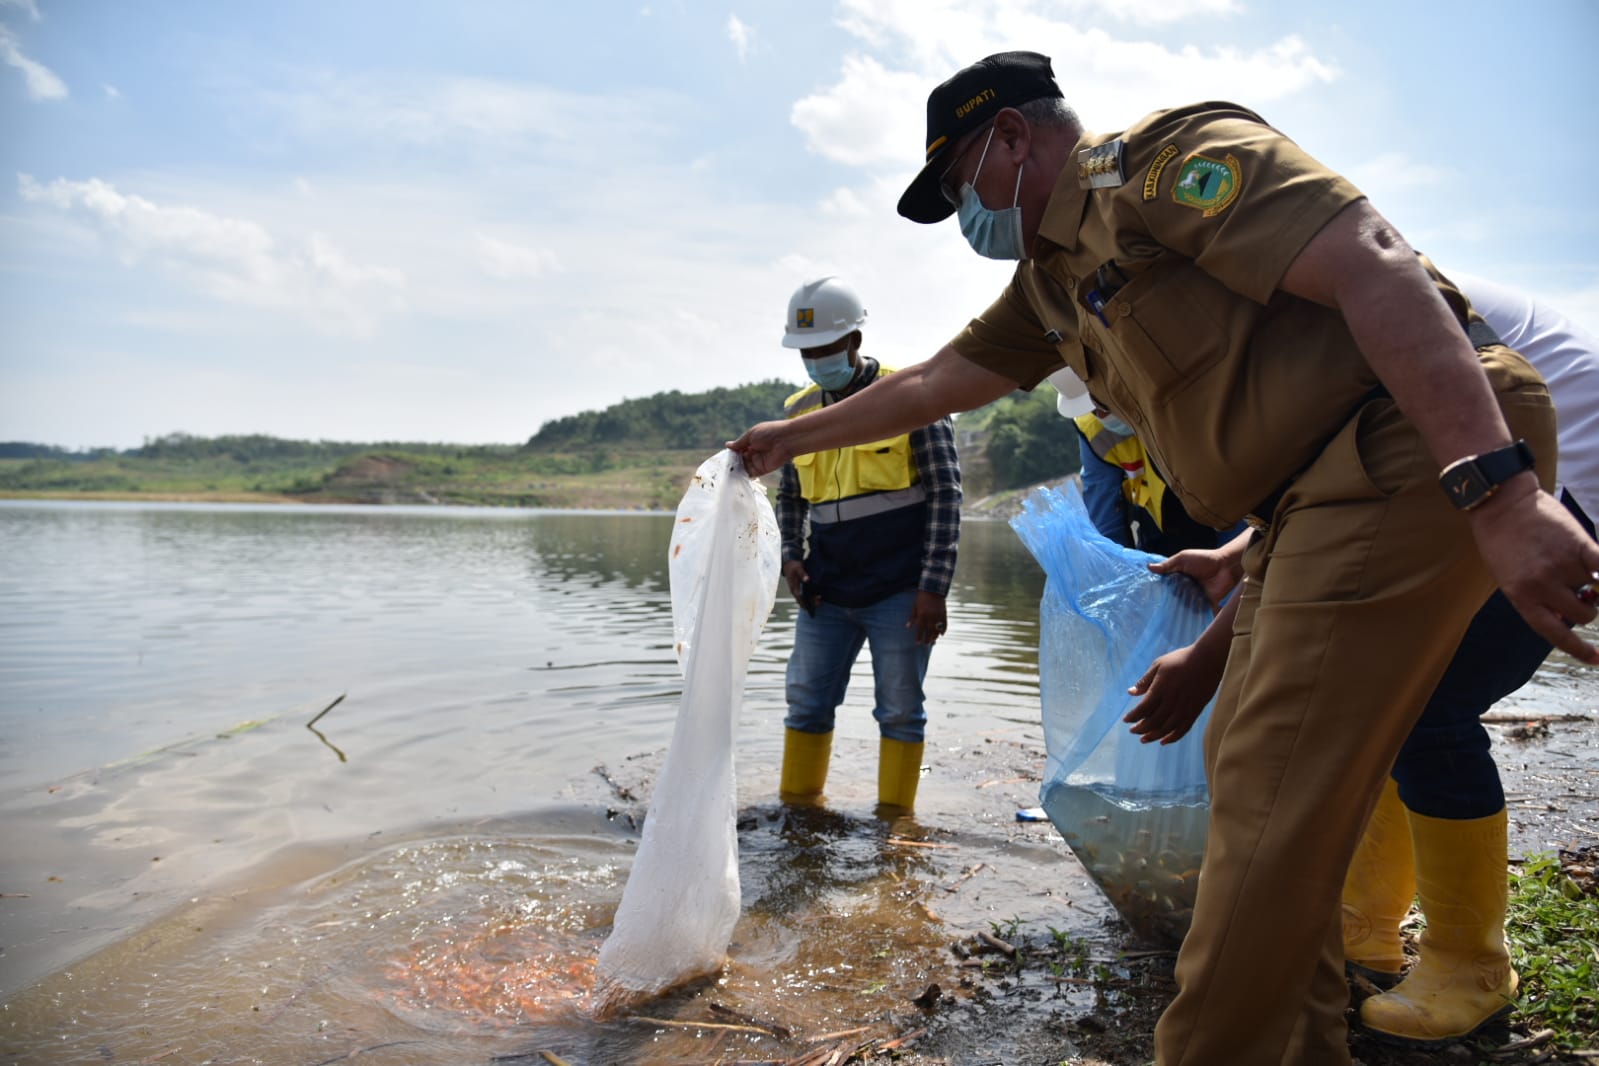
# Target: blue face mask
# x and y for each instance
(992, 234)
(831, 372)
(1117, 426)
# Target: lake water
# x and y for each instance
(191, 874)
(158, 668)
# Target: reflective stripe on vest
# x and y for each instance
(866, 506)
(1141, 486)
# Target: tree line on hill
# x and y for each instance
(668, 420)
(1016, 441)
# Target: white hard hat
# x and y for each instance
(820, 312)
(1074, 399)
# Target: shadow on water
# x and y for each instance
(477, 944)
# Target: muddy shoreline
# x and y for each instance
(960, 936)
(1091, 997)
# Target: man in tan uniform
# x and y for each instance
(1285, 356)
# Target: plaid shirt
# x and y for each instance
(933, 451)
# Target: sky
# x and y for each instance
(454, 221)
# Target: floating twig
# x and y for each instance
(337, 700)
(1507, 718)
(827, 1056)
(966, 875)
(621, 792)
(672, 1023)
(902, 1040)
(1007, 950)
(841, 1033)
(781, 1031)
(553, 1059)
(1538, 1039)
(903, 842)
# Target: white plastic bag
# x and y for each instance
(682, 897)
(1134, 814)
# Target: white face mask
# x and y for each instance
(992, 234)
(1117, 426)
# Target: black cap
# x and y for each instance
(962, 104)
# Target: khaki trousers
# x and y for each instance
(1356, 598)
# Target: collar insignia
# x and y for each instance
(1101, 167)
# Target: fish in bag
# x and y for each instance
(1134, 814)
(681, 899)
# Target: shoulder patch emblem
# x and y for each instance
(1208, 185)
(1101, 167)
(1152, 177)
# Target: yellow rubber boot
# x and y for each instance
(1463, 979)
(805, 757)
(899, 771)
(1378, 890)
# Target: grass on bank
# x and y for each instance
(1553, 928)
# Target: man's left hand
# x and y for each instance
(927, 619)
(1542, 560)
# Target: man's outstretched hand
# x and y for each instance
(763, 448)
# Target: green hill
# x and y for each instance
(673, 420)
(638, 453)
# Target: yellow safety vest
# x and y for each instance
(840, 473)
(1140, 484)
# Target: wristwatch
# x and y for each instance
(1470, 481)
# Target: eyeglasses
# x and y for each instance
(952, 196)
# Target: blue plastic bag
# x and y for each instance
(1133, 813)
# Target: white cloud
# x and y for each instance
(28, 7)
(229, 259)
(876, 109)
(509, 261)
(111, 91)
(1164, 12)
(742, 35)
(1004, 23)
(43, 84)
(865, 117)
(845, 203)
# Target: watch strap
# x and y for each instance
(1502, 464)
(1471, 480)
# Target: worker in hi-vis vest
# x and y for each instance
(869, 535)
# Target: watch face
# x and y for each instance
(1465, 485)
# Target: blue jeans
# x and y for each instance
(825, 647)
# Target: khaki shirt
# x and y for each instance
(1155, 279)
